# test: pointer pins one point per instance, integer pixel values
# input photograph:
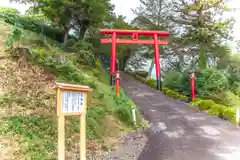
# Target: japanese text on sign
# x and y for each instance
(72, 101)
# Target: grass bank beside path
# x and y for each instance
(28, 121)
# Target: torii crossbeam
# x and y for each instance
(135, 40)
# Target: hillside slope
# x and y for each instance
(28, 126)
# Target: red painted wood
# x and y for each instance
(113, 55)
(156, 55)
(129, 41)
(130, 32)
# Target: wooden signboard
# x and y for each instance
(71, 100)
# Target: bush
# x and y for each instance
(86, 57)
(172, 94)
(236, 88)
(172, 80)
(211, 81)
(183, 97)
(165, 90)
(152, 83)
(228, 99)
(13, 37)
(196, 102)
(217, 110)
(123, 111)
(205, 104)
(230, 114)
(96, 72)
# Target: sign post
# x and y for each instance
(117, 83)
(238, 116)
(192, 79)
(71, 100)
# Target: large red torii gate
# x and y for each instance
(135, 34)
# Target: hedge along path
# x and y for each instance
(180, 132)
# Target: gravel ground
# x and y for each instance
(130, 148)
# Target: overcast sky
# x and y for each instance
(124, 7)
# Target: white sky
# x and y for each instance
(123, 7)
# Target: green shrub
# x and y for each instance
(227, 98)
(175, 95)
(86, 57)
(95, 120)
(230, 114)
(172, 80)
(217, 110)
(165, 90)
(236, 88)
(96, 72)
(211, 81)
(196, 102)
(206, 104)
(183, 97)
(123, 111)
(13, 37)
(98, 64)
(152, 83)
(124, 114)
(172, 94)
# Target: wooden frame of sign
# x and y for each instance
(71, 100)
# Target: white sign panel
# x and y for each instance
(72, 101)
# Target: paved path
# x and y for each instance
(178, 131)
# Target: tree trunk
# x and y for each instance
(65, 36)
(202, 57)
(124, 62)
(83, 30)
(150, 69)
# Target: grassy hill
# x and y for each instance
(28, 127)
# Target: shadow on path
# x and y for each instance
(178, 131)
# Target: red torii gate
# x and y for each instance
(135, 33)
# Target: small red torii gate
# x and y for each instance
(135, 34)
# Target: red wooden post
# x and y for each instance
(113, 58)
(157, 64)
(117, 83)
(192, 79)
(193, 88)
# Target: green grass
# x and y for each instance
(38, 135)
(219, 110)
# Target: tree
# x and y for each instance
(91, 13)
(124, 51)
(201, 25)
(77, 15)
(238, 45)
(151, 15)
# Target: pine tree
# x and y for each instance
(202, 25)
